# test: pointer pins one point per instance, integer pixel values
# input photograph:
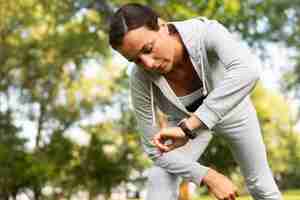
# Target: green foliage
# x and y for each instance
(12, 158)
(289, 195)
(110, 156)
(277, 122)
(46, 49)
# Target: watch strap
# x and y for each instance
(188, 133)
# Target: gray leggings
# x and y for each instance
(241, 130)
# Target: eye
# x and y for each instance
(148, 48)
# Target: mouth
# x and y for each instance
(157, 67)
(161, 66)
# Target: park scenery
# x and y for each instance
(67, 125)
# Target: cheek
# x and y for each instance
(164, 50)
(168, 51)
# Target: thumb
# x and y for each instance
(170, 147)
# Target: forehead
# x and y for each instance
(134, 40)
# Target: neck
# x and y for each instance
(181, 68)
(178, 73)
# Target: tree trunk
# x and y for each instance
(184, 191)
(40, 125)
(37, 192)
(4, 196)
(14, 195)
(106, 196)
(107, 193)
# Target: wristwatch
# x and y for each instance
(188, 132)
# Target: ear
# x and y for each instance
(163, 26)
(161, 22)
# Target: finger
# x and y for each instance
(232, 197)
(162, 147)
(157, 139)
(236, 193)
(159, 143)
(171, 146)
(152, 142)
(160, 136)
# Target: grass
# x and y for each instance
(288, 195)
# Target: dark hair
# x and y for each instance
(128, 17)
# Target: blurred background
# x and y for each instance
(67, 129)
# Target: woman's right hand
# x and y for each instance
(220, 186)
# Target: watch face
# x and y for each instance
(193, 135)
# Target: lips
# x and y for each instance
(161, 66)
(157, 67)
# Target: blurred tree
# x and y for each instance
(47, 52)
(12, 158)
(277, 121)
(46, 48)
(113, 152)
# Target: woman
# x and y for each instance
(201, 78)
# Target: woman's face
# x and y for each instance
(153, 50)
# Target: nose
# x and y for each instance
(147, 61)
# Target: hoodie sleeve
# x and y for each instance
(240, 76)
(140, 88)
(174, 161)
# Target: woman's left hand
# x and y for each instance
(175, 134)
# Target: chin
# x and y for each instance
(168, 69)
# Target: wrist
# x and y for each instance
(208, 176)
(190, 124)
(181, 133)
(194, 123)
(186, 130)
(211, 177)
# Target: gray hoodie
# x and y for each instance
(227, 69)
